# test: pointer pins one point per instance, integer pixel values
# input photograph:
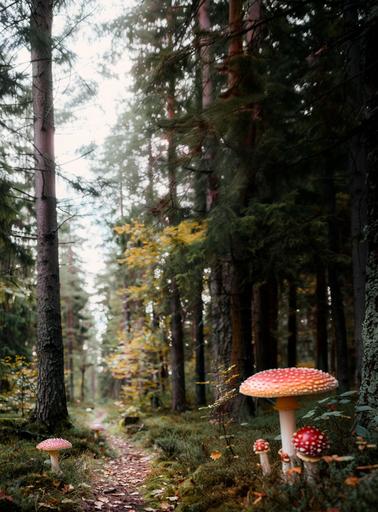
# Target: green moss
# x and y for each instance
(234, 481)
(25, 476)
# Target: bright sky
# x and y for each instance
(93, 123)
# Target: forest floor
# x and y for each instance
(116, 482)
(189, 462)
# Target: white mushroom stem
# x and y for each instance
(54, 459)
(287, 425)
(286, 409)
(264, 463)
(310, 465)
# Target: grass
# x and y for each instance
(185, 470)
(26, 482)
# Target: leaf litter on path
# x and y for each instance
(115, 485)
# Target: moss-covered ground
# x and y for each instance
(26, 482)
(204, 466)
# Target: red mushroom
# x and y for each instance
(286, 384)
(310, 443)
(53, 447)
(285, 460)
(261, 448)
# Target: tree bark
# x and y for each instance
(369, 382)
(235, 47)
(292, 326)
(266, 323)
(177, 346)
(199, 340)
(357, 169)
(337, 304)
(70, 334)
(241, 328)
(321, 320)
(51, 408)
(177, 351)
(220, 291)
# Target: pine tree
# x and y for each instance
(51, 408)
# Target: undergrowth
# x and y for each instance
(206, 468)
(26, 482)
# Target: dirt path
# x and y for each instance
(116, 483)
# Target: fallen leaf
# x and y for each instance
(352, 481)
(259, 497)
(295, 469)
(84, 485)
(215, 455)
(68, 488)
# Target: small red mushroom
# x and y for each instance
(310, 443)
(261, 448)
(97, 428)
(53, 447)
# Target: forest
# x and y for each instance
(189, 255)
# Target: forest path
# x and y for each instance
(116, 483)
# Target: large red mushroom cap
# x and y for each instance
(260, 446)
(284, 382)
(310, 441)
(53, 445)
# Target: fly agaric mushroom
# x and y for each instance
(261, 448)
(285, 460)
(286, 384)
(53, 447)
(97, 428)
(310, 443)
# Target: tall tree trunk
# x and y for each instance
(177, 348)
(70, 333)
(241, 328)
(266, 324)
(51, 408)
(220, 291)
(369, 382)
(337, 303)
(177, 351)
(357, 168)
(235, 47)
(292, 326)
(199, 341)
(321, 320)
